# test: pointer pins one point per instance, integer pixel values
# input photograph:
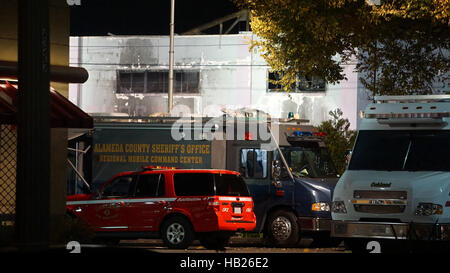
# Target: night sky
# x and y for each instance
(144, 17)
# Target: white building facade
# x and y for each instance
(129, 75)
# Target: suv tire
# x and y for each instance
(177, 232)
(282, 229)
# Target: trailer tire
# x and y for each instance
(282, 229)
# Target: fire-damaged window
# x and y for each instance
(303, 84)
(157, 81)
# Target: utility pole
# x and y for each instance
(33, 139)
(171, 54)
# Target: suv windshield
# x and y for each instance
(402, 151)
(204, 184)
(314, 162)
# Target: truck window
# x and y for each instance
(150, 185)
(193, 184)
(314, 161)
(253, 163)
(406, 150)
(230, 185)
(119, 187)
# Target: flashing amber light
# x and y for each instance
(249, 136)
(158, 168)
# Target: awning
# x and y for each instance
(63, 113)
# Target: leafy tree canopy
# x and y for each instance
(402, 46)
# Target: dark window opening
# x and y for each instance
(304, 83)
(424, 150)
(193, 184)
(119, 187)
(208, 184)
(150, 185)
(308, 161)
(185, 81)
(230, 185)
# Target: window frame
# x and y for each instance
(295, 89)
(182, 194)
(112, 182)
(265, 169)
(161, 180)
(178, 87)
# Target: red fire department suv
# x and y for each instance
(177, 205)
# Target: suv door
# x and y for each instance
(107, 211)
(148, 205)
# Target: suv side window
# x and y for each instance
(253, 163)
(193, 184)
(150, 185)
(119, 187)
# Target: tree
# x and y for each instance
(402, 45)
(339, 138)
(408, 48)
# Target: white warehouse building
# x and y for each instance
(129, 75)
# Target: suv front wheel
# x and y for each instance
(177, 233)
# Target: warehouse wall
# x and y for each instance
(231, 76)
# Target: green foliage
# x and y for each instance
(302, 37)
(339, 138)
(403, 45)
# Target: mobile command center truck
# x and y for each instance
(397, 184)
(291, 190)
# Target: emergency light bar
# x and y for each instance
(408, 115)
(305, 136)
(301, 133)
(158, 168)
(412, 98)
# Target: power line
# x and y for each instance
(166, 65)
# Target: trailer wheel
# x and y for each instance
(282, 229)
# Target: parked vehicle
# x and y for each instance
(290, 176)
(397, 184)
(172, 204)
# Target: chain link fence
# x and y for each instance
(8, 159)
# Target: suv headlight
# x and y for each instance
(427, 209)
(321, 206)
(338, 207)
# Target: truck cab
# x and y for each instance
(291, 184)
(397, 185)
